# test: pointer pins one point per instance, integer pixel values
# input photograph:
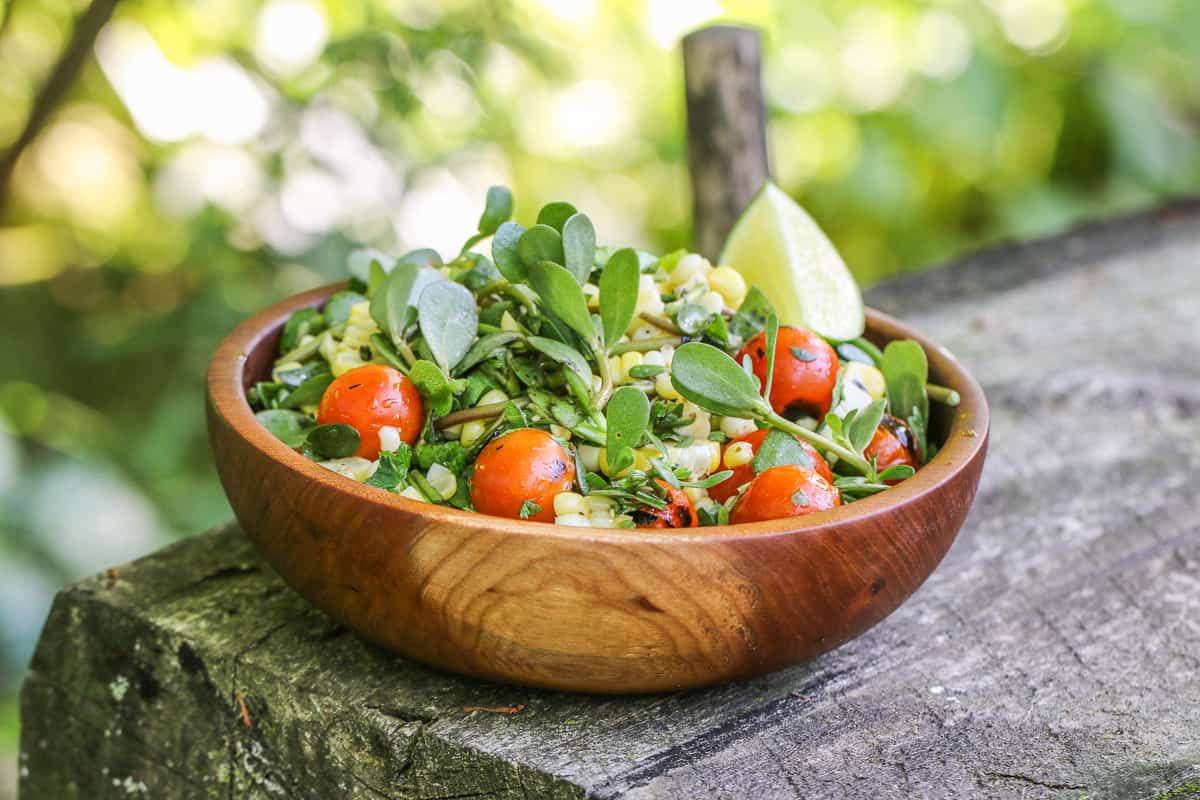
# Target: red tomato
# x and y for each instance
(679, 512)
(892, 445)
(524, 465)
(806, 370)
(369, 397)
(745, 473)
(787, 491)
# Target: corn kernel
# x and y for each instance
(360, 315)
(697, 496)
(597, 502)
(570, 503)
(328, 348)
(492, 396)
(867, 377)
(389, 438)
(453, 432)
(738, 454)
(662, 385)
(592, 293)
(700, 426)
(561, 432)
(603, 519)
(654, 359)
(668, 354)
(729, 283)
(628, 362)
(442, 480)
(471, 432)
(736, 427)
(614, 369)
(640, 330)
(345, 361)
(714, 457)
(572, 520)
(691, 266)
(589, 456)
(508, 323)
(712, 303)
(354, 468)
(648, 298)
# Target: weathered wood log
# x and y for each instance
(727, 144)
(1054, 654)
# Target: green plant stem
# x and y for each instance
(426, 488)
(661, 322)
(942, 394)
(487, 411)
(825, 445)
(645, 345)
(868, 347)
(606, 379)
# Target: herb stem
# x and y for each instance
(942, 394)
(661, 322)
(868, 347)
(856, 461)
(477, 413)
(645, 345)
(606, 380)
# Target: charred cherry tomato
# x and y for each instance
(805, 371)
(679, 512)
(744, 473)
(786, 491)
(892, 445)
(370, 397)
(526, 465)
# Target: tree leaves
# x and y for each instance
(628, 415)
(562, 297)
(618, 294)
(579, 246)
(713, 380)
(449, 320)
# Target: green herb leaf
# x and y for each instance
(562, 297)
(711, 480)
(308, 393)
(451, 455)
(448, 318)
(897, 472)
(289, 427)
(300, 324)
(555, 215)
(779, 449)
(391, 300)
(579, 246)
(392, 471)
(772, 338)
(384, 347)
(529, 509)
(751, 317)
(505, 253)
(860, 430)
(540, 243)
(334, 441)
(803, 355)
(436, 390)
(337, 307)
(800, 498)
(292, 378)
(628, 417)
(514, 417)
(618, 294)
(564, 354)
(711, 379)
(642, 371)
(358, 263)
(497, 209)
(485, 348)
(906, 371)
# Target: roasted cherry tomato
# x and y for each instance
(525, 465)
(892, 445)
(786, 491)
(679, 512)
(805, 371)
(744, 473)
(370, 397)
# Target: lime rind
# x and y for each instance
(777, 246)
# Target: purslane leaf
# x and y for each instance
(497, 209)
(711, 379)
(628, 415)
(779, 449)
(564, 354)
(555, 215)
(562, 297)
(579, 246)
(449, 320)
(485, 347)
(504, 251)
(860, 430)
(289, 427)
(390, 300)
(540, 243)
(436, 390)
(618, 294)
(334, 441)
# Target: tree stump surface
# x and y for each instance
(1054, 654)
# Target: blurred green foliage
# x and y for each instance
(217, 155)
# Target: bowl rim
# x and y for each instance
(965, 441)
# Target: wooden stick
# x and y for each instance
(727, 140)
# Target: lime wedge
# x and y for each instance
(778, 247)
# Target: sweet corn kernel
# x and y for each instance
(508, 323)
(640, 330)
(662, 385)
(712, 302)
(603, 519)
(697, 496)
(614, 369)
(628, 362)
(492, 396)
(345, 361)
(691, 266)
(648, 298)
(592, 292)
(561, 432)
(597, 502)
(354, 468)
(729, 283)
(360, 314)
(867, 377)
(572, 520)
(453, 432)
(328, 347)
(442, 480)
(714, 457)
(738, 453)
(471, 431)
(736, 427)
(389, 438)
(413, 493)
(700, 426)
(654, 359)
(668, 353)
(589, 456)
(570, 503)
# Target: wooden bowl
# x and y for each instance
(594, 610)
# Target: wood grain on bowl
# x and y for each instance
(599, 610)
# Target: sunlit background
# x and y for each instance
(216, 155)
